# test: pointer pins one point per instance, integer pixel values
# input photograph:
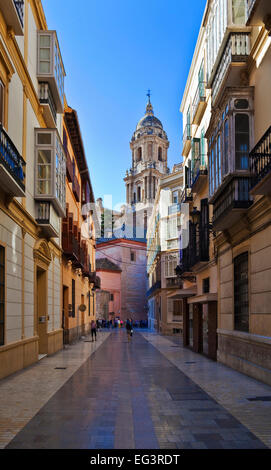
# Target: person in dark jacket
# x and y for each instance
(128, 329)
(93, 330)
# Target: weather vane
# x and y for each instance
(149, 95)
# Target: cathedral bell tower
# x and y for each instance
(149, 145)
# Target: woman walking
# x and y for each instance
(93, 330)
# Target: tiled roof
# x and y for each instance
(105, 263)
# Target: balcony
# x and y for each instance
(173, 282)
(50, 66)
(154, 288)
(47, 219)
(76, 188)
(199, 103)
(47, 101)
(187, 140)
(233, 201)
(257, 12)
(13, 12)
(50, 169)
(186, 195)
(199, 175)
(12, 167)
(260, 166)
(70, 245)
(234, 59)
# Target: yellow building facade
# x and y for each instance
(78, 237)
(31, 107)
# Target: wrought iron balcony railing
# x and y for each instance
(234, 199)
(13, 163)
(260, 161)
(47, 219)
(198, 170)
(46, 97)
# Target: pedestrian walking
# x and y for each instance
(128, 329)
(93, 330)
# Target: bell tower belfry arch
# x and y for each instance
(149, 147)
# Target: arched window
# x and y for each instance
(160, 154)
(150, 150)
(139, 194)
(139, 154)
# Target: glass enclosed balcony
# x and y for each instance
(50, 169)
(234, 58)
(260, 166)
(12, 167)
(50, 66)
(13, 12)
(47, 219)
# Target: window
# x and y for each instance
(241, 305)
(206, 285)
(174, 197)
(73, 298)
(229, 140)
(242, 141)
(139, 194)
(239, 12)
(133, 256)
(139, 154)
(171, 262)
(45, 54)
(226, 148)
(111, 297)
(160, 154)
(2, 295)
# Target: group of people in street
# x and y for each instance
(97, 325)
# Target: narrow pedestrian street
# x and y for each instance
(150, 393)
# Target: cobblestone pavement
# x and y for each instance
(131, 395)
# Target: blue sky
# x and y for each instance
(113, 51)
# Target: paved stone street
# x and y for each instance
(148, 394)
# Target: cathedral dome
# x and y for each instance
(149, 124)
(149, 120)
